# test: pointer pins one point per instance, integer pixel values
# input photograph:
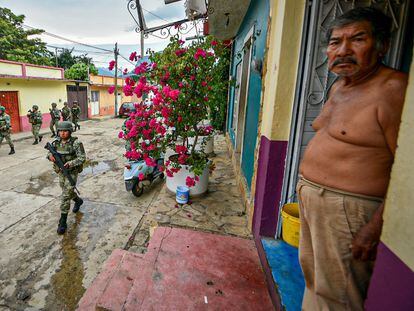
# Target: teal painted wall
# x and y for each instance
(257, 16)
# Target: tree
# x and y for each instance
(66, 60)
(16, 44)
(78, 71)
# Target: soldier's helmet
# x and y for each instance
(2, 108)
(54, 105)
(65, 104)
(65, 126)
(36, 107)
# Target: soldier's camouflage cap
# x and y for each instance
(35, 107)
(2, 108)
(65, 126)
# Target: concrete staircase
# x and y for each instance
(182, 270)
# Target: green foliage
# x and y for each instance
(16, 44)
(66, 60)
(78, 71)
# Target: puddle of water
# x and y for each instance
(92, 167)
(37, 184)
(66, 283)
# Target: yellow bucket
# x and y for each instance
(291, 224)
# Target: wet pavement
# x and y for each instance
(40, 270)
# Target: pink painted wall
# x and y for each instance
(26, 126)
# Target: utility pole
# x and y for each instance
(56, 57)
(116, 52)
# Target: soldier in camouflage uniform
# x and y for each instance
(5, 128)
(54, 119)
(76, 111)
(66, 114)
(36, 119)
(73, 155)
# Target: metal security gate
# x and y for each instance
(314, 80)
(10, 100)
(80, 94)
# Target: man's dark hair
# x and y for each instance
(380, 24)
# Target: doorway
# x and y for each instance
(10, 100)
(79, 94)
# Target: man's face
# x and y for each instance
(64, 135)
(351, 50)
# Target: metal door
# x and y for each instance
(78, 93)
(10, 100)
(315, 80)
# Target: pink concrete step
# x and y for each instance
(110, 288)
(190, 270)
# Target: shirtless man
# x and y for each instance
(346, 167)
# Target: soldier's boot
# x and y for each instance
(62, 224)
(12, 150)
(78, 203)
(53, 134)
(35, 142)
(40, 138)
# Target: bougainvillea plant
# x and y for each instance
(178, 84)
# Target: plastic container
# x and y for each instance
(291, 224)
(181, 195)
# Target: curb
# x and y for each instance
(28, 136)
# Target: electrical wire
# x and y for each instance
(153, 14)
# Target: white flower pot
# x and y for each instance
(179, 180)
(205, 143)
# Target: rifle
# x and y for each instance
(61, 165)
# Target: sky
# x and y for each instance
(96, 22)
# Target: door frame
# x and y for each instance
(241, 118)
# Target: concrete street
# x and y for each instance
(40, 270)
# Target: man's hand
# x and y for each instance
(365, 242)
(67, 165)
(52, 158)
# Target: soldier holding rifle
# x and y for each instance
(68, 156)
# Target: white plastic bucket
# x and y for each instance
(182, 194)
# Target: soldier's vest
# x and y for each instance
(3, 122)
(65, 113)
(67, 152)
(55, 113)
(36, 118)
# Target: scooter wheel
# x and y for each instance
(136, 190)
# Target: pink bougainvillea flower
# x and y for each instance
(200, 53)
(111, 89)
(197, 178)
(192, 78)
(141, 176)
(214, 43)
(180, 52)
(150, 162)
(204, 83)
(169, 173)
(176, 26)
(206, 98)
(190, 182)
(121, 135)
(111, 65)
(180, 149)
(174, 94)
(181, 42)
(133, 56)
(179, 119)
(125, 71)
(181, 85)
(182, 159)
(128, 90)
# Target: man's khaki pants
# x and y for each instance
(330, 219)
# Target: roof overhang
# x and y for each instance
(225, 17)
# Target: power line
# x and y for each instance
(69, 40)
(80, 43)
(76, 50)
(149, 12)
